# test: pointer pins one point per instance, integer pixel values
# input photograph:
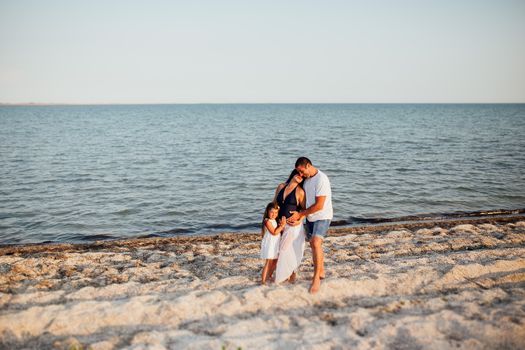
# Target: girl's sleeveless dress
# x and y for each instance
(270, 243)
(291, 248)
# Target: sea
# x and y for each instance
(94, 172)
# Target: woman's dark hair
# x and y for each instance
(269, 206)
(292, 174)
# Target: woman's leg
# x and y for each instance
(290, 253)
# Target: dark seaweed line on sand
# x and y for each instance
(240, 238)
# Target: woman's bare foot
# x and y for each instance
(316, 284)
(292, 278)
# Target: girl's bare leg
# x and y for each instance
(272, 269)
(266, 268)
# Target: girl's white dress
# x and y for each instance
(291, 252)
(270, 243)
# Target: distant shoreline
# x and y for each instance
(43, 104)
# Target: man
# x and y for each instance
(318, 213)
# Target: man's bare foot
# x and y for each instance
(316, 284)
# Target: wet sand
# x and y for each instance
(431, 285)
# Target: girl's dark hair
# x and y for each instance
(269, 206)
(292, 174)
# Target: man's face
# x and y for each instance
(304, 171)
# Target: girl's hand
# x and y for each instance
(282, 223)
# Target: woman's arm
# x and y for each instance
(279, 188)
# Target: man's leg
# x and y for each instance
(317, 255)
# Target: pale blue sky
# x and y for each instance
(262, 51)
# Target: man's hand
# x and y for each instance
(295, 219)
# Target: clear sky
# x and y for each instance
(246, 51)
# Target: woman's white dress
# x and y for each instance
(291, 252)
(270, 243)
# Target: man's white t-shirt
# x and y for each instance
(318, 186)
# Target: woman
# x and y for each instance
(290, 197)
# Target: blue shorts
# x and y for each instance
(316, 228)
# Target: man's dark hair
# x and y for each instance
(303, 161)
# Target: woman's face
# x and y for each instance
(298, 178)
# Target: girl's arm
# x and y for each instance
(277, 230)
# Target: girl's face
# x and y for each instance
(273, 213)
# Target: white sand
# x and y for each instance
(428, 288)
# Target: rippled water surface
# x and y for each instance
(80, 173)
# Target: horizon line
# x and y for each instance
(28, 104)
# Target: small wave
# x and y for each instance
(176, 231)
(151, 235)
(230, 227)
(28, 214)
(97, 237)
(47, 242)
(152, 187)
(512, 196)
(145, 161)
(428, 216)
(206, 229)
(405, 170)
(173, 213)
(22, 189)
(34, 224)
(81, 238)
(464, 189)
(77, 180)
(124, 212)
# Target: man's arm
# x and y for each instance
(318, 205)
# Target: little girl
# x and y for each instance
(271, 233)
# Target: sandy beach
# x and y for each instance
(434, 285)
